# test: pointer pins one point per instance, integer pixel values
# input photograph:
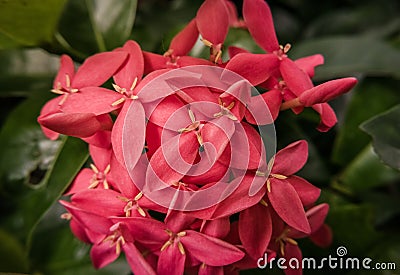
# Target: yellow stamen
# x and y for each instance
(291, 241)
(94, 168)
(119, 101)
(181, 249)
(268, 185)
(138, 196)
(66, 216)
(134, 83)
(263, 202)
(218, 56)
(206, 42)
(167, 243)
(278, 176)
(141, 211)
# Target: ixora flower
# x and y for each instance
(183, 177)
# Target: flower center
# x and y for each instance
(116, 239)
(133, 205)
(126, 93)
(282, 52)
(65, 91)
(99, 177)
(195, 126)
(174, 238)
(283, 239)
(225, 110)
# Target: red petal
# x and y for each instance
(233, 51)
(66, 68)
(293, 251)
(165, 109)
(183, 42)
(102, 254)
(316, 216)
(91, 221)
(201, 246)
(100, 156)
(146, 230)
(79, 231)
(78, 124)
(327, 91)
(128, 134)
(212, 21)
(133, 66)
(218, 132)
(99, 139)
(264, 108)
(103, 202)
(97, 69)
(81, 181)
(259, 21)
(121, 179)
(307, 192)
(291, 159)
(184, 61)
(323, 236)
(171, 161)
(156, 86)
(171, 261)
(287, 205)
(255, 229)
(154, 62)
(256, 68)
(217, 228)
(328, 116)
(247, 148)
(295, 78)
(133, 136)
(308, 63)
(91, 100)
(136, 261)
(235, 202)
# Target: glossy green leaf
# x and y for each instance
(103, 25)
(112, 20)
(12, 254)
(24, 147)
(352, 225)
(34, 171)
(366, 171)
(55, 250)
(385, 132)
(28, 23)
(369, 98)
(348, 55)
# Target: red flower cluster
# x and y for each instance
(181, 180)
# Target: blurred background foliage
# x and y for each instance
(356, 164)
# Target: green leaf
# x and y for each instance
(385, 132)
(64, 253)
(24, 147)
(369, 98)
(28, 23)
(34, 171)
(353, 227)
(12, 254)
(113, 20)
(103, 25)
(366, 171)
(347, 55)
